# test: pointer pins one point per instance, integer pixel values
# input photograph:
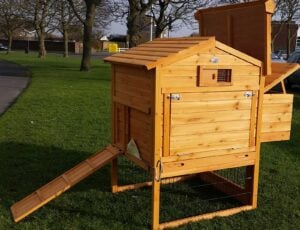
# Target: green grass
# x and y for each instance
(64, 116)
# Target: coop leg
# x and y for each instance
(155, 204)
(252, 184)
(114, 176)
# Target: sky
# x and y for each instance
(120, 28)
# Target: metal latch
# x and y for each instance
(174, 96)
(249, 94)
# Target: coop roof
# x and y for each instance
(165, 51)
(280, 71)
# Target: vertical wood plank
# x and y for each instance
(268, 41)
(258, 142)
(283, 87)
(253, 119)
(155, 203)
(114, 176)
(114, 110)
(166, 125)
(157, 136)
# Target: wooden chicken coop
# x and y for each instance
(192, 106)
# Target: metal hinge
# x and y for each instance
(249, 94)
(174, 96)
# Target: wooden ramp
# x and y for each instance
(62, 183)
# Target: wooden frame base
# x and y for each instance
(248, 199)
(222, 213)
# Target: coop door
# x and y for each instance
(203, 122)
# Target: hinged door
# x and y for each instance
(276, 117)
(203, 122)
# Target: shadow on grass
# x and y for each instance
(25, 168)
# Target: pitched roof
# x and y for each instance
(165, 51)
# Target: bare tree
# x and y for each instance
(287, 11)
(87, 17)
(11, 20)
(166, 12)
(136, 20)
(64, 21)
(40, 13)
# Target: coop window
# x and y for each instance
(212, 76)
(224, 75)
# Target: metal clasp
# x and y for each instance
(249, 94)
(174, 96)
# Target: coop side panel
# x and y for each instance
(246, 29)
(132, 97)
(184, 76)
(276, 117)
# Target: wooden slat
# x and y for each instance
(212, 163)
(275, 136)
(205, 59)
(276, 117)
(209, 117)
(127, 61)
(207, 106)
(207, 216)
(203, 154)
(191, 70)
(217, 96)
(137, 56)
(153, 53)
(59, 185)
(169, 50)
(165, 45)
(220, 145)
(276, 126)
(278, 98)
(196, 129)
(208, 138)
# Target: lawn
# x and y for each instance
(64, 116)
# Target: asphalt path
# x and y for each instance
(13, 80)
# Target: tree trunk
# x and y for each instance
(87, 37)
(66, 43)
(42, 48)
(158, 32)
(10, 40)
(288, 40)
(133, 33)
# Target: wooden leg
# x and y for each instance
(114, 176)
(155, 203)
(255, 185)
(249, 182)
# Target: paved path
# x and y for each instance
(13, 80)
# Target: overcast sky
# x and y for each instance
(120, 28)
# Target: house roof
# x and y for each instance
(165, 51)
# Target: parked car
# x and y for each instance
(2, 47)
(294, 79)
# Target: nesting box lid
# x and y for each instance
(165, 51)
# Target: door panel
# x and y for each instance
(201, 122)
